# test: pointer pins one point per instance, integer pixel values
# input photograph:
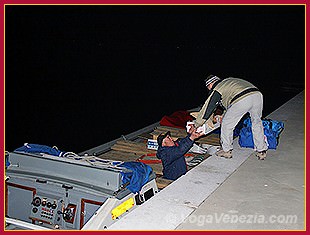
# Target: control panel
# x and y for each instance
(46, 209)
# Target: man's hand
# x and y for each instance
(194, 134)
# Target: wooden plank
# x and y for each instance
(162, 183)
(137, 148)
(119, 156)
(145, 136)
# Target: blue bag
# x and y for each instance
(137, 176)
(272, 130)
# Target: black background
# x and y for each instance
(79, 76)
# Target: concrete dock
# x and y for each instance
(241, 193)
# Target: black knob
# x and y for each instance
(34, 210)
(54, 206)
(68, 215)
(49, 204)
(36, 201)
(44, 203)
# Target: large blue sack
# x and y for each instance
(138, 175)
(272, 130)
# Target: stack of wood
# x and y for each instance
(132, 147)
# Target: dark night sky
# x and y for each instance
(80, 76)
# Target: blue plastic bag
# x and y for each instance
(272, 130)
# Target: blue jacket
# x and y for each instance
(173, 160)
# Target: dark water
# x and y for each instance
(80, 76)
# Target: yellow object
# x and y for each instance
(122, 208)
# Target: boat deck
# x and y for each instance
(135, 149)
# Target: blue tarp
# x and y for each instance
(38, 148)
(138, 175)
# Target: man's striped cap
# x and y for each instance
(210, 79)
